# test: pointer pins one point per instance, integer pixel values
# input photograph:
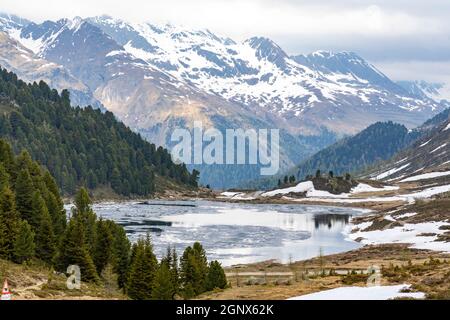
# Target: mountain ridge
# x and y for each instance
(157, 78)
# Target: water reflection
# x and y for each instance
(329, 220)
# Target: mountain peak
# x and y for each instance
(267, 49)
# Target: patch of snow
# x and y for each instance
(406, 215)
(363, 293)
(362, 226)
(229, 194)
(426, 176)
(35, 45)
(410, 198)
(300, 188)
(447, 127)
(408, 233)
(115, 53)
(389, 218)
(424, 144)
(391, 172)
(362, 187)
(403, 160)
(439, 148)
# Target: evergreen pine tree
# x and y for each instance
(194, 270)
(216, 277)
(9, 223)
(45, 238)
(24, 246)
(38, 208)
(121, 254)
(55, 205)
(7, 157)
(201, 263)
(74, 251)
(163, 287)
(174, 269)
(24, 190)
(4, 177)
(142, 271)
(103, 246)
(83, 211)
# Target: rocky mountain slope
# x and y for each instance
(22, 61)
(157, 78)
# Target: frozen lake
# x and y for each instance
(237, 233)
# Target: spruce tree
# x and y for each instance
(74, 251)
(7, 157)
(163, 286)
(83, 211)
(216, 277)
(142, 271)
(45, 238)
(55, 205)
(38, 208)
(103, 246)
(24, 190)
(9, 222)
(201, 268)
(121, 254)
(174, 269)
(194, 270)
(57, 214)
(4, 177)
(24, 246)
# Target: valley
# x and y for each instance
(132, 160)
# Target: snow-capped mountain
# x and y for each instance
(257, 72)
(428, 90)
(29, 66)
(22, 61)
(158, 77)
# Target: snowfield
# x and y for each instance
(363, 293)
(300, 188)
(311, 192)
(391, 172)
(420, 236)
(410, 197)
(425, 176)
(323, 196)
(361, 188)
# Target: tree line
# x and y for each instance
(82, 146)
(34, 225)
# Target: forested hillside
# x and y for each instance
(378, 142)
(35, 230)
(81, 147)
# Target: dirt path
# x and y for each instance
(27, 293)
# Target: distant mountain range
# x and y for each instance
(157, 78)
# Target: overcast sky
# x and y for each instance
(406, 39)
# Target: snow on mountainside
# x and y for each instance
(156, 78)
(426, 160)
(303, 90)
(424, 90)
(19, 56)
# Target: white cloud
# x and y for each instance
(242, 18)
(415, 33)
(432, 71)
